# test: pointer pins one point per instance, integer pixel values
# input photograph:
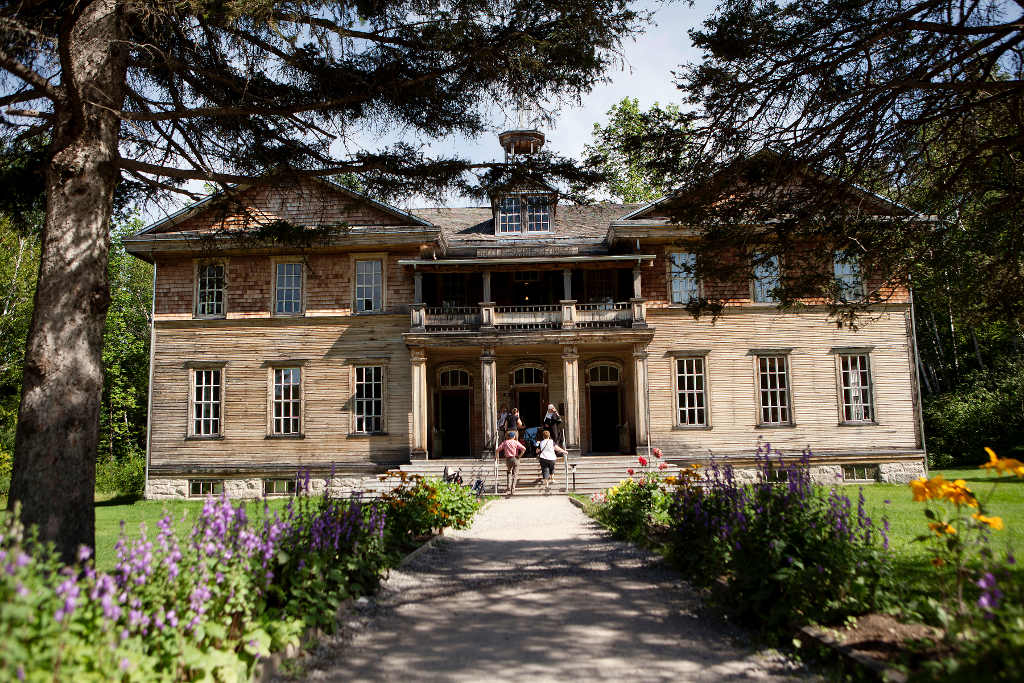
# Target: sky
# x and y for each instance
(646, 74)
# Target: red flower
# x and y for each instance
(643, 460)
(630, 471)
(657, 452)
(662, 465)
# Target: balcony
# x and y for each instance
(489, 317)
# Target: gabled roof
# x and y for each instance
(569, 221)
(166, 224)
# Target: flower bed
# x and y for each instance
(209, 605)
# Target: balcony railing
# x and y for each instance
(567, 315)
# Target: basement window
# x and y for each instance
(279, 487)
(863, 473)
(205, 487)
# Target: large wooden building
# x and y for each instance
(303, 327)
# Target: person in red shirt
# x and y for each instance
(512, 450)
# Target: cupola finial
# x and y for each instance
(523, 137)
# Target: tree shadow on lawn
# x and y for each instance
(120, 499)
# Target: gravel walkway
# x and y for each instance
(537, 591)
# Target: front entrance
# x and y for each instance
(531, 412)
(604, 419)
(453, 423)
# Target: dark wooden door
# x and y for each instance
(604, 419)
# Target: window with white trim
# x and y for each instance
(863, 473)
(538, 218)
(691, 392)
(369, 285)
(682, 277)
(279, 487)
(766, 279)
(206, 402)
(773, 390)
(287, 407)
(849, 282)
(368, 402)
(288, 289)
(210, 290)
(855, 384)
(205, 487)
(527, 375)
(510, 215)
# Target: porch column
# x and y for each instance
(636, 283)
(571, 419)
(487, 285)
(489, 404)
(640, 397)
(418, 359)
(417, 280)
(567, 283)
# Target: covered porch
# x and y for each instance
(599, 387)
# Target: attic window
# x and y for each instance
(537, 217)
(510, 218)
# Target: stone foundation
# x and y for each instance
(163, 488)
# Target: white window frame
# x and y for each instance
(194, 374)
(678, 392)
(381, 305)
(198, 289)
(290, 484)
(844, 357)
(211, 484)
(764, 282)
(785, 408)
(358, 404)
(506, 226)
(680, 281)
(276, 275)
(538, 216)
(275, 423)
(848, 275)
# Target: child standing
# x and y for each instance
(512, 450)
(548, 449)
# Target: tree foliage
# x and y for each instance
(920, 101)
(629, 179)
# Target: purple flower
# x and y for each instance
(84, 553)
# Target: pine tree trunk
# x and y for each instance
(58, 420)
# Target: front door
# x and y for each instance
(604, 419)
(531, 412)
(454, 424)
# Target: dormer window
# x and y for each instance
(510, 215)
(537, 215)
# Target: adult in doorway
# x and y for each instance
(511, 423)
(512, 450)
(553, 423)
(502, 418)
(548, 458)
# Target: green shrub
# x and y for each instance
(419, 507)
(630, 508)
(125, 476)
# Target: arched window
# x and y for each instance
(605, 373)
(453, 378)
(528, 374)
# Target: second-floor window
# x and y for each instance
(206, 402)
(510, 215)
(210, 290)
(287, 418)
(683, 280)
(369, 286)
(766, 279)
(288, 289)
(537, 216)
(848, 278)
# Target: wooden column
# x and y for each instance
(567, 283)
(487, 285)
(417, 279)
(640, 397)
(418, 359)
(571, 419)
(636, 283)
(489, 404)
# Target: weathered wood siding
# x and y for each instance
(815, 404)
(329, 348)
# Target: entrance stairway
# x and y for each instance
(591, 473)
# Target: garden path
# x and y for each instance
(535, 590)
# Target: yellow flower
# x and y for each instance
(941, 528)
(1000, 465)
(958, 493)
(993, 522)
(919, 487)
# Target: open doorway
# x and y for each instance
(453, 423)
(531, 412)
(604, 419)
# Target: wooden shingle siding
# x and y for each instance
(328, 350)
(812, 373)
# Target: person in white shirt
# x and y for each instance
(548, 449)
